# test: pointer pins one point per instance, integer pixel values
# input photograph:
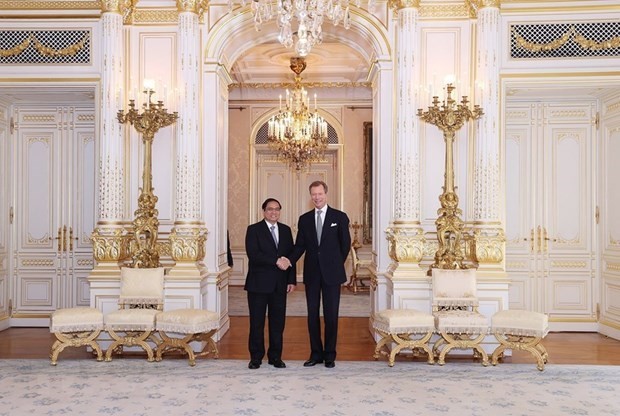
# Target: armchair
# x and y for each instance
(140, 300)
(455, 308)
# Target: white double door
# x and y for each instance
(54, 183)
(550, 210)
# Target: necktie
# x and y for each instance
(273, 234)
(319, 225)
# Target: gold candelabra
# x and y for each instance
(356, 242)
(449, 117)
(153, 117)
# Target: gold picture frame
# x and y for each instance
(367, 208)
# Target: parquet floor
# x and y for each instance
(354, 344)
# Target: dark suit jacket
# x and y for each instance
(327, 259)
(263, 274)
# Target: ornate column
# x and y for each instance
(187, 238)
(110, 244)
(406, 240)
(488, 187)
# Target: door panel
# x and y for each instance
(549, 209)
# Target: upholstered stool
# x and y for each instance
(399, 326)
(75, 327)
(460, 329)
(520, 330)
(194, 324)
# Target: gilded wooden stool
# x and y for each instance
(400, 326)
(194, 324)
(520, 330)
(76, 327)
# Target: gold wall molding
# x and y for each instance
(568, 114)
(49, 5)
(86, 117)
(290, 85)
(35, 139)
(613, 267)
(444, 11)
(39, 119)
(156, 16)
(37, 263)
(43, 240)
(569, 264)
(613, 107)
(85, 262)
(403, 4)
(515, 265)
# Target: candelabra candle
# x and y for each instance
(449, 118)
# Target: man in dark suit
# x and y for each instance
(267, 243)
(324, 236)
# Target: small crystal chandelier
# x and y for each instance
(298, 136)
(310, 15)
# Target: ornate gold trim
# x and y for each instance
(571, 34)
(442, 11)
(291, 85)
(49, 5)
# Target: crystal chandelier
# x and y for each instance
(298, 136)
(309, 14)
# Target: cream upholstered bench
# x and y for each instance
(76, 327)
(520, 330)
(399, 326)
(194, 324)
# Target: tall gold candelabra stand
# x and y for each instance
(449, 117)
(152, 118)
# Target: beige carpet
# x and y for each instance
(351, 305)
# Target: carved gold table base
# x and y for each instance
(130, 339)
(403, 341)
(448, 341)
(75, 339)
(519, 342)
(170, 344)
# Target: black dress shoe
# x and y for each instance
(312, 363)
(330, 364)
(253, 365)
(278, 363)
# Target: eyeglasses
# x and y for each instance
(272, 209)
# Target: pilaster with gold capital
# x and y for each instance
(110, 242)
(187, 238)
(406, 249)
(487, 186)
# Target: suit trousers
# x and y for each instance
(331, 305)
(275, 305)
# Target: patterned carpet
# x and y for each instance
(351, 305)
(226, 387)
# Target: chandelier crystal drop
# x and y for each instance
(309, 14)
(298, 135)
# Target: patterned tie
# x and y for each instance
(319, 225)
(273, 234)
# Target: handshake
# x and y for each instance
(283, 263)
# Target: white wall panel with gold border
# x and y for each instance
(153, 55)
(609, 207)
(5, 212)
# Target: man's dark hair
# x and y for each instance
(268, 200)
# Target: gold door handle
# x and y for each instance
(71, 238)
(532, 240)
(59, 237)
(539, 235)
(64, 238)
